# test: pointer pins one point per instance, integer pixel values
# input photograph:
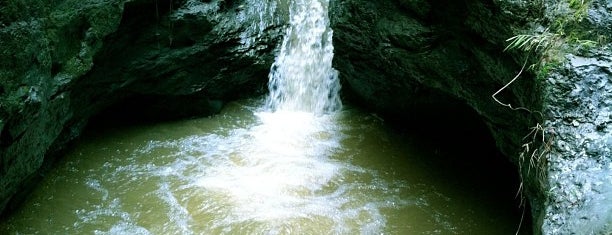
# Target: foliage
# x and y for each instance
(580, 8)
(16, 10)
(544, 70)
(550, 43)
(528, 42)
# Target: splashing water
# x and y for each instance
(302, 78)
(279, 176)
(288, 167)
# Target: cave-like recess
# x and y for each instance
(155, 67)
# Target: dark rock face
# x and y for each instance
(400, 56)
(394, 59)
(64, 61)
(35, 105)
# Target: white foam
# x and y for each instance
(302, 77)
(284, 172)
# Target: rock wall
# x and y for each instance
(62, 61)
(578, 118)
(402, 55)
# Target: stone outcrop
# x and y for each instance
(397, 57)
(63, 61)
(579, 118)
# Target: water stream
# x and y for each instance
(302, 77)
(295, 162)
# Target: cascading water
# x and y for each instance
(284, 179)
(302, 77)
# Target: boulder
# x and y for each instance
(63, 61)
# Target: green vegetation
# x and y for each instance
(528, 42)
(564, 34)
(16, 10)
(580, 7)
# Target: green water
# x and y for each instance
(250, 172)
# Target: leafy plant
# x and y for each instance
(575, 4)
(528, 42)
(548, 45)
(544, 69)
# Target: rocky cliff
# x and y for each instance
(552, 117)
(63, 61)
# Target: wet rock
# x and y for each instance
(599, 16)
(63, 61)
(397, 58)
(581, 167)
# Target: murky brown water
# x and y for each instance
(250, 172)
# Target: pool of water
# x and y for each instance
(246, 171)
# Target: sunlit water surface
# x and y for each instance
(250, 172)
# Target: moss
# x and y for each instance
(18, 10)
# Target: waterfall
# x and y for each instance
(302, 77)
